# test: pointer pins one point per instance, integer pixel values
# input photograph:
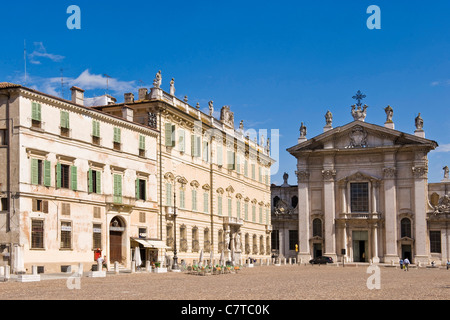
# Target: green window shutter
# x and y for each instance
(90, 181)
(64, 119)
(96, 129)
(205, 151)
(168, 135)
(34, 171)
(219, 155)
(260, 174)
(253, 213)
(267, 216)
(246, 211)
(229, 207)
(246, 168)
(168, 194)
(238, 209)
(194, 199)
(142, 142)
(205, 202)
(36, 111)
(73, 180)
(47, 173)
(253, 171)
(137, 188)
(219, 205)
(238, 163)
(98, 180)
(230, 160)
(58, 175)
(182, 201)
(260, 214)
(181, 140)
(198, 145)
(117, 133)
(117, 188)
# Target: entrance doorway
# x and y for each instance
(116, 230)
(360, 246)
(406, 252)
(317, 250)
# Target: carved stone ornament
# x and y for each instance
(389, 173)
(226, 116)
(443, 205)
(328, 174)
(302, 175)
(282, 208)
(358, 138)
(359, 113)
(420, 172)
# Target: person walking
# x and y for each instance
(406, 263)
(401, 263)
(448, 264)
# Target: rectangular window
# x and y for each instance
(195, 145)
(182, 199)
(229, 207)
(238, 209)
(36, 115)
(246, 168)
(169, 135)
(253, 171)
(246, 211)
(194, 200)
(97, 213)
(3, 137)
(117, 198)
(275, 240)
(40, 172)
(219, 154)
(231, 164)
(205, 151)
(94, 181)
(206, 202)
(66, 176)
(3, 204)
(39, 205)
(253, 213)
(219, 205)
(169, 195)
(65, 209)
(142, 232)
(142, 217)
(117, 139)
(66, 235)
(293, 239)
(95, 132)
(181, 140)
(96, 236)
(141, 189)
(260, 215)
(64, 123)
(359, 197)
(142, 146)
(37, 234)
(435, 241)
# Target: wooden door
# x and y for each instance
(115, 246)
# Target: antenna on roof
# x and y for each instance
(107, 83)
(25, 58)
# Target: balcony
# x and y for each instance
(361, 215)
(233, 221)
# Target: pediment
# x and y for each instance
(361, 135)
(359, 176)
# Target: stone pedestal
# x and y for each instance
(28, 277)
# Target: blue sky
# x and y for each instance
(276, 64)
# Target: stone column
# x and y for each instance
(344, 236)
(420, 207)
(390, 211)
(303, 215)
(329, 212)
(375, 257)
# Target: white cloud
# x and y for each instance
(89, 81)
(443, 148)
(444, 83)
(41, 52)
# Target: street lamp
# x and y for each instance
(175, 266)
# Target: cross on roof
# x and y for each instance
(358, 97)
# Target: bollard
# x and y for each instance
(148, 266)
(133, 266)
(80, 270)
(7, 273)
(116, 267)
(34, 270)
(2, 271)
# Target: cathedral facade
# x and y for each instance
(363, 194)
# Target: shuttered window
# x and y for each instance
(169, 134)
(64, 120)
(94, 181)
(36, 111)
(40, 172)
(117, 198)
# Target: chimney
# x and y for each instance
(127, 113)
(129, 97)
(143, 94)
(77, 95)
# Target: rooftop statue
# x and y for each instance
(158, 80)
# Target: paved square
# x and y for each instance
(259, 283)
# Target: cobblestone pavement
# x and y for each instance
(258, 283)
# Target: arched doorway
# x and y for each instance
(116, 231)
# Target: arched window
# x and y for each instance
(275, 201)
(294, 201)
(317, 227)
(405, 224)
